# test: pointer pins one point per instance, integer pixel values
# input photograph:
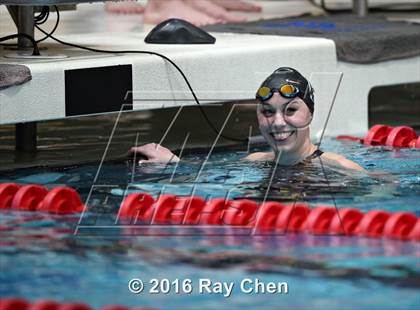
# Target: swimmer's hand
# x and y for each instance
(154, 153)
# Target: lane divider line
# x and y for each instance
(143, 209)
(384, 135)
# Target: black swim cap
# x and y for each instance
(286, 75)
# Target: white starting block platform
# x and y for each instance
(229, 70)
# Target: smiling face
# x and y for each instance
(283, 123)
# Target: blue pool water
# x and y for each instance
(41, 257)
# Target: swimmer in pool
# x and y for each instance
(284, 111)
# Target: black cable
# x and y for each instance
(49, 35)
(55, 26)
(39, 20)
(43, 16)
(24, 35)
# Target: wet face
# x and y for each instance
(280, 120)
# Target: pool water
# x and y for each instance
(42, 257)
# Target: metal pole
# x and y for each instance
(13, 11)
(360, 7)
(25, 133)
(25, 137)
(25, 24)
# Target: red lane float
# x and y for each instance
(74, 306)
(7, 192)
(372, 223)
(115, 308)
(142, 208)
(319, 220)
(213, 211)
(399, 225)
(268, 214)
(28, 197)
(415, 233)
(240, 213)
(272, 216)
(292, 218)
(13, 304)
(401, 136)
(377, 135)
(22, 304)
(346, 221)
(44, 305)
(60, 200)
(192, 207)
(136, 207)
(163, 208)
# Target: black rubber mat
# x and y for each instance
(357, 39)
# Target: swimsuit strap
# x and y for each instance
(315, 154)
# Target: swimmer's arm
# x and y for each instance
(156, 153)
(259, 156)
(388, 181)
(338, 161)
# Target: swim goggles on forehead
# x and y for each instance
(286, 90)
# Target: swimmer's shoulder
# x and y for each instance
(260, 156)
(339, 161)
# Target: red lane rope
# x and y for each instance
(269, 216)
(272, 216)
(401, 136)
(22, 304)
(60, 200)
